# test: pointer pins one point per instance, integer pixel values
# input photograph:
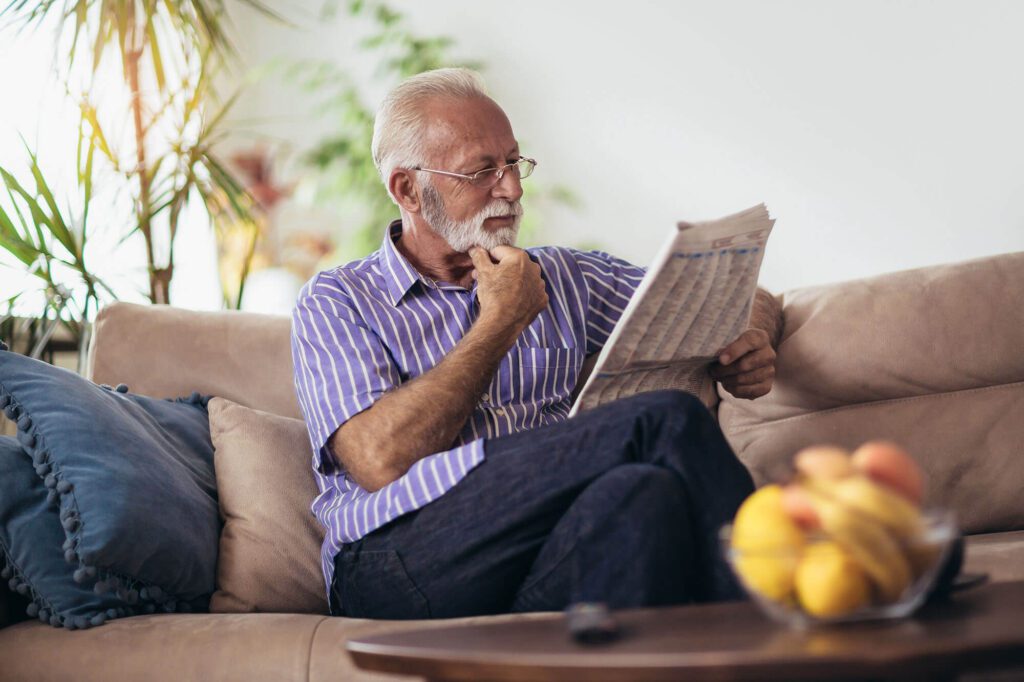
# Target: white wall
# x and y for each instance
(882, 135)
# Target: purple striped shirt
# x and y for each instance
(362, 329)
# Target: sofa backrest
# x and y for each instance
(168, 352)
(931, 358)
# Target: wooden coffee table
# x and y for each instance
(979, 629)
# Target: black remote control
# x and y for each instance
(591, 623)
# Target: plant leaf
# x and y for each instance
(85, 179)
(38, 216)
(155, 53)
(11, 241)
(89, 115)
(58, 228)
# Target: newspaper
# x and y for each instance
(695, 299)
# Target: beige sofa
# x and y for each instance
(931, 358)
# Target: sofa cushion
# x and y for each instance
(270, 546)
(207, 646)
(163, 351)
(929, 358)
(133, 478)
(173, 647)
(967, 443)
(917, 332)
(31, 559)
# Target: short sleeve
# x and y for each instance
(341, 366)
(610, 283)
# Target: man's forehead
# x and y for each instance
(467, 130)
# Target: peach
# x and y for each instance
(798, 505)
(890, 465)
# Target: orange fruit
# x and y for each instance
(767, 544)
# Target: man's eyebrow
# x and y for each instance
(489, 158)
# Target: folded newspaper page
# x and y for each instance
(695, 299)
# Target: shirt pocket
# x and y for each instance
(536, 374)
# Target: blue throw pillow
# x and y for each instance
(31, 559)
(132, 477)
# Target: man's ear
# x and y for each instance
(403, 189)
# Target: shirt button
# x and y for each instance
(500, 412)
(486, 398)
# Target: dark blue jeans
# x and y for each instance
(621, 504)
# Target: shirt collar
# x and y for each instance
(401, 275)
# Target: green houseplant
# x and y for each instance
(157, 144)
(51, 245)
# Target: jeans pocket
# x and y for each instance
(375, 584)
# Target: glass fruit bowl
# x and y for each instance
(860, 576)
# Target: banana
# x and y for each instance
(863, 495)
(867, 541)
(823, 461)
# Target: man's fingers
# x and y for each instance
(746, 366)
(752, 339)
(503, 251)
(757, 376)
(752, 392)
(763, 357)
(749, 392)
(481, 260)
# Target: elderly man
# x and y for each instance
(436, 374)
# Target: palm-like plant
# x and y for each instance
(168, 52)
(51, 244)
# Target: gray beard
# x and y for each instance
(461, 235)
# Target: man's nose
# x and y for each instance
(510, 187)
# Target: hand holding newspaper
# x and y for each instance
(695, 299)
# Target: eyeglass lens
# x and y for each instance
(521, 169)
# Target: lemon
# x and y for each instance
(767, 544)
(829, 582)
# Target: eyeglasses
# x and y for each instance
(489, 177)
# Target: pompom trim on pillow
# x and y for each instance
(138, 597)
(38, 607)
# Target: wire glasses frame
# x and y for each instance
(489, 177)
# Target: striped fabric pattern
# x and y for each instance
(362, 329)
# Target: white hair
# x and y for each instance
(398, 127)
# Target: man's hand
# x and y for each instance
(510, 290)
(746, 367)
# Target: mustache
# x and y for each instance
(499, 208)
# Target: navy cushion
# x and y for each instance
(132, 477)
(31, 559)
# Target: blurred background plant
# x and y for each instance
(141, 73)
(51, 245)
(154, 156)
(343, 175)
